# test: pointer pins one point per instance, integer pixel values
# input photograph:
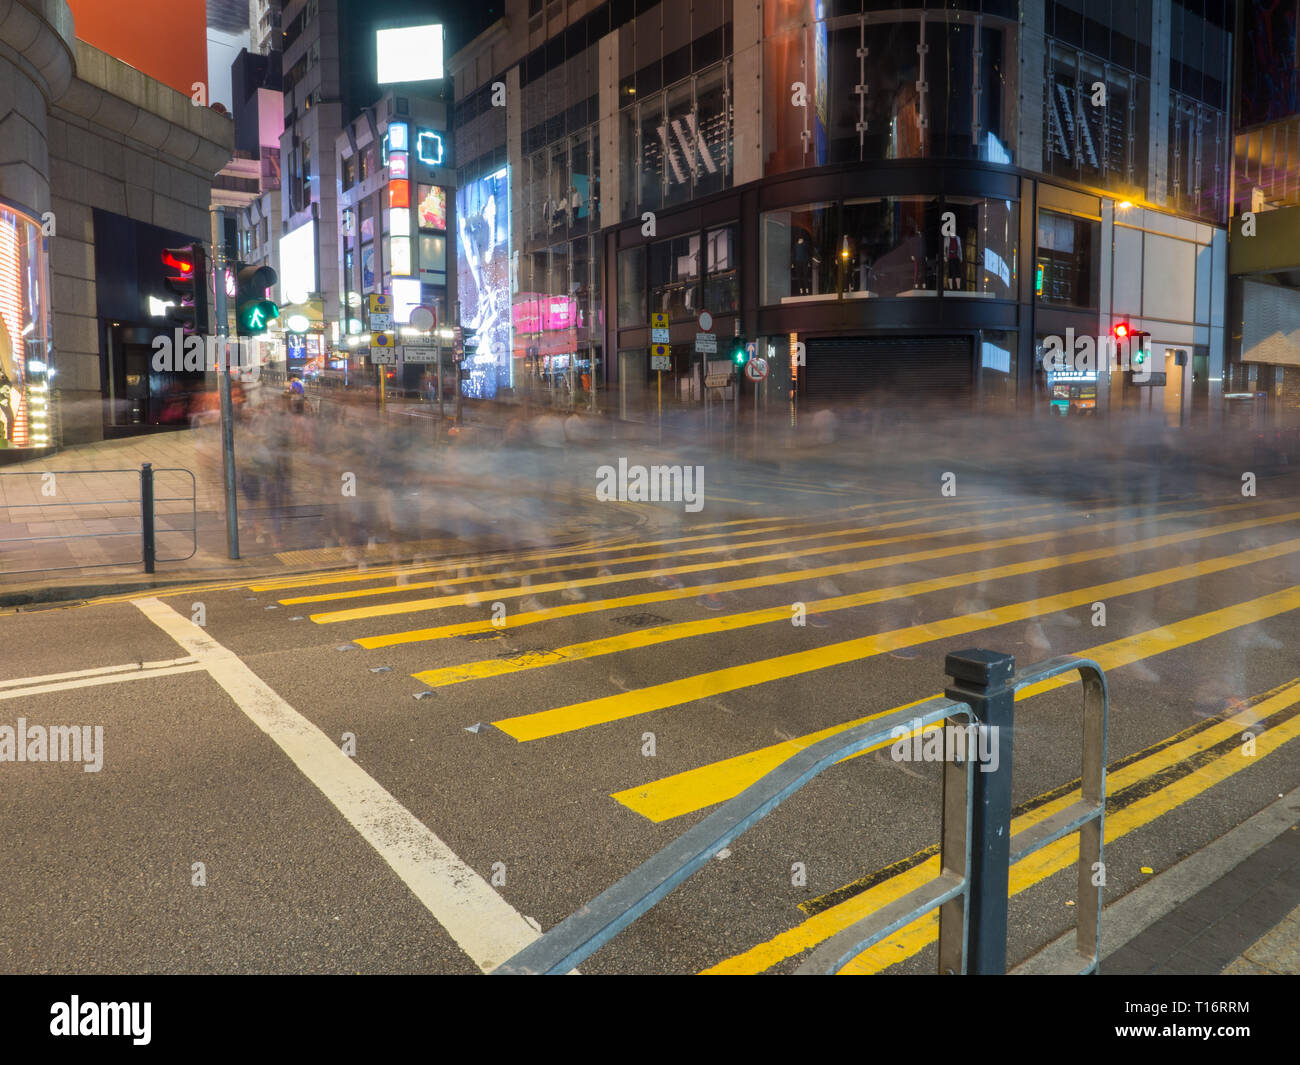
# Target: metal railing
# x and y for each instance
(146, 502)
(977, 848)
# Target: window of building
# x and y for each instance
(673, 271)
(631, 287)
(721, 285)
(650, 114)
(979, 257)
(799, 253)
(1068, 263)
(677, 140)
(349, 172)
(712, 123)
(997, 369)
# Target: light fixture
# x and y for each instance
(844, 248)
(1124, 205)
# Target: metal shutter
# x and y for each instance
(844, 368)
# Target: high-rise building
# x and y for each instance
(264, 26)
(919, 203)
(331, 72)
(1262, 376)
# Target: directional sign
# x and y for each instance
(660, 351)
(379, 302)
(706, 321)
(751, 350)
(1151, 380)
(717, 380)
(756, 369)
(660, 362)
(706, 342)
(383, 358)
(420, 354)
(381, 320)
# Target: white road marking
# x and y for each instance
(96, 672)
(91, 682)
(483, 924)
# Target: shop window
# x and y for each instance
(628, 166)
(631, 287)
(721, 287)
(1068, 262)
(997, 369)
(980, 257)
(678, 143)
(798, 253)
(673, 270)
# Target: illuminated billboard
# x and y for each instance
(433, 207)
(483, 270)
(412, 53)
(298, 264)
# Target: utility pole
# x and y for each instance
(223, 378)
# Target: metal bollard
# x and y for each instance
(148, 547)
(982, 680)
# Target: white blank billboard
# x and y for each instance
(413, 53)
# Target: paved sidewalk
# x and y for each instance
(1232, 908)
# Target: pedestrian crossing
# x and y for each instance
(1178, 573)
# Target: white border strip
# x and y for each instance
(99, 671)
(482, 923)
(92, 682)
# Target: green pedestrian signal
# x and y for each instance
(253, 311)
(739, 354)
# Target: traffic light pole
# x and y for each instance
(223, 377)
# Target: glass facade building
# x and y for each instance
(910, 197)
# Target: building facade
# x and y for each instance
(102, 167)
(880, 199)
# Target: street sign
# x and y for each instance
(717, 380)
(379, 302)
(381, 340)
(706, 321)
(751, 350)
(756, 369)
(383, 358)
(424, 318)
(659, 351)
(420, 354)
(380, 320)
(706, 342)
(660, 362)
(659, 327)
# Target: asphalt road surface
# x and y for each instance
(413, 769)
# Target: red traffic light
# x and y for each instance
(181, 266)
(1122, 331)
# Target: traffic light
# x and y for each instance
(185, 273)
(253, 311)
(739, 354)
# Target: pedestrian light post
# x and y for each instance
(223, 383)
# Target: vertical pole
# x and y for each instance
(223, 378)
(383, 381)
(659, 389)
(982, 680)
(148, 550)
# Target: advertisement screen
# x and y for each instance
(433, 207)
(298, 264)
(411, 53)
(483, 269)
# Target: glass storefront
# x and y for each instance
(1069, 260)
(25, 371)
(893, 246)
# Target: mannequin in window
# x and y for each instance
(954, 264)
(802, 258)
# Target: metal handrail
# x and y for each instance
(977, 850)
(590, 928)
(1088, 815)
